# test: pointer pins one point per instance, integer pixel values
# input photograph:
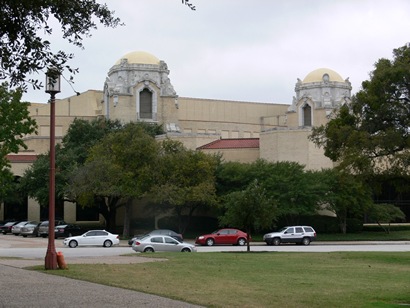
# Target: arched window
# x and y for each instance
(145, 104)
(307, 115)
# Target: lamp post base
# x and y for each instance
(51, 260)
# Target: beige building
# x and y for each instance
(138, 88)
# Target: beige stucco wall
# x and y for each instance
(292, 145)
(230, 119)
(18, 168)
(33, 210)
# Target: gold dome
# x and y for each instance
(139, 57)
(318, 76)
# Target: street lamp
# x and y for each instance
(52, 87)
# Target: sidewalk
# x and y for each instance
(24, 288)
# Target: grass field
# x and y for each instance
(266, 279)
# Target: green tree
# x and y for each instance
(249, 209)
(113, 174)
(70, 154)
(25, 23)
(296, 191)
(232, 176)
(346, 195)
(15, 123)
(384, 213)
(183, 180)
(372, 134)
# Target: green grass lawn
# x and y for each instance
(265, 279)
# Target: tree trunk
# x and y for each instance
(127, 215)
(343, 225)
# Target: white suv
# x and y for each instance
(293, 234)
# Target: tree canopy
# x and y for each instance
(384, 214)
(15, 123)
(70, 155)
(345, 195)
(183, 180)
(113, 173)
(295, 191)
(249, 209)
(25, 23)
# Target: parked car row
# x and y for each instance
(73, 234)
(158, 240)
(166, 240)
(35, 229)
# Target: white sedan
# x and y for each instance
(93, 238)
(152, 243)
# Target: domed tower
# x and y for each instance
(138, 89)
(317, 96)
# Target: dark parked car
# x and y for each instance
(170, 233)
(227, 236)
(43, 228)
(6, 228)
(67, 230)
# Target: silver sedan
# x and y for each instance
(151, 243)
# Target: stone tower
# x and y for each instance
(138, 89)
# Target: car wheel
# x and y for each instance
(43, 235)
(210, 242)
(149, 249)
(107, 243)
(276, 241)
(186, 250)
(24, 235)
(306, 241)
(16, 234)
(241, 242)
(73, 244)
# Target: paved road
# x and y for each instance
(35, 248)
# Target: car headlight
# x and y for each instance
(200, 238)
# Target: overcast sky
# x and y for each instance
(251, 50)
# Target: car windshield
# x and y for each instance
(144, 237)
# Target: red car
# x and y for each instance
(227, 236)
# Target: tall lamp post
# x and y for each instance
(52, 87)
